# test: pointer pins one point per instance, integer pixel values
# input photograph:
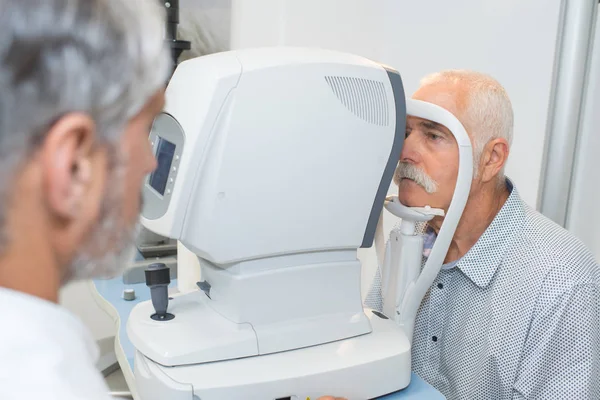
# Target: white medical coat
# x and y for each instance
(45, 352)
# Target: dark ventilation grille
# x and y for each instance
(364, 97)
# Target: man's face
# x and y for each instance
(428, 168)
(110, 245)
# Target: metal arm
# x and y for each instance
(177, 46)
(414, 286)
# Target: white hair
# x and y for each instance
(105, 58)
(488, 112)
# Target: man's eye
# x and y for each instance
(433, 136)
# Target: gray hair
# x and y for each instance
(105, 58)
(489, 111)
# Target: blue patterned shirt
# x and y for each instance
(517, 317)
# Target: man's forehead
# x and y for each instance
(415, 122)
(449, 96)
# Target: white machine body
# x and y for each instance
(273, 166)
(363, 367)
(267, 136)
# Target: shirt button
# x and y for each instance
(434, 338)
(440, 286)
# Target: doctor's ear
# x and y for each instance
(68, 163)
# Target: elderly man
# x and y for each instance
(515, 311)
(80, 84)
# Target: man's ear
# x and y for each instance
(493, 159)
(66, 162)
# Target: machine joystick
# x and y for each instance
(158, 280)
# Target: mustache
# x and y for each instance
(416, 174)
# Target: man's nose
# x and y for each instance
(410, 149)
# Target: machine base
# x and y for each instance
(360, 368)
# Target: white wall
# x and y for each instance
(206, 24)
(512, 40)
(425, 36)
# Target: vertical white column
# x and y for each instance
(188, 269)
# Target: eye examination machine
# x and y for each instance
(273, 168)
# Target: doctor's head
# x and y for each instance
(428, 167)
(80, 84)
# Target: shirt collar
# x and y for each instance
(483, 259)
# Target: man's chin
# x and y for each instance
(411, 194)
(415, 199)
(408, 201)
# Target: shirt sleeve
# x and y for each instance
(561, 357)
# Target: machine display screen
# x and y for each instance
(164, 156)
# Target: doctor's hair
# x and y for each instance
(489, 111)
(104, 58)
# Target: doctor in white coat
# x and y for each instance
(80, 84)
